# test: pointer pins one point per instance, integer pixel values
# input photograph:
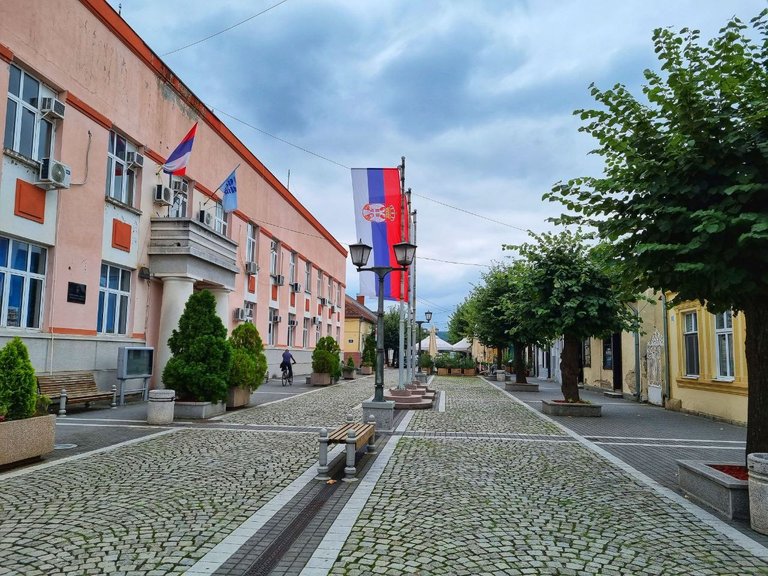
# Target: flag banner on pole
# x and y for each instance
(176, 163)
(229, 188)
(378, 220)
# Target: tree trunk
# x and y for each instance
(569, 368)
(499, 352)
(756, 346)
(520, 363)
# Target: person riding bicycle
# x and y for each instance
(287, 362)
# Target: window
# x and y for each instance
(180, 198)
(330, 290)
(273, 258)
(319, 284)
(220, 219)
(305, 334)
(318, 332)
(114, 293)
(308, 278)
(691, 343)
(22, 282)
(328, 330)
(291, 329)
(292, 269)
(26, 131)
(250, 242)
(272, 327)
(607, 354)
(338, 295)
(586, 353)
(250, 311)
(121, 178)
(724, 345)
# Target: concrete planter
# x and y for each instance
(348, 374)
(366, 370)
(501, 376)
(198, 410)
(238, 396)
(442, 371)
(517, 387)
(455, 371)
(571, 409)
(25, 439)
(713, 488)
(758, 491)
(320, 379)
(469, 371)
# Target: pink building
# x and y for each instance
(98, 248)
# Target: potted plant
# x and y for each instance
(199, 369)
(369, 355)
(349, 369)
(249, 364)
(425, 363)
(442, 363)
(454, 364)
(26, 430)
(468, 366)
(325, 362)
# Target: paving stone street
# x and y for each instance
(488, 486)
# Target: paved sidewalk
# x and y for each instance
(488, 486)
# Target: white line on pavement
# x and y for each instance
(441, 403)
(669, 445)
(75, 419)
(712, 521)
(220, 553)
(590, 437)
(326, 552)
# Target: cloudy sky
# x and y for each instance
(478, 96)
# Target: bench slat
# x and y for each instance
(364, 432)
(80, 386)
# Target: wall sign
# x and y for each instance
(76, 293)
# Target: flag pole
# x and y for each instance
(401, 334)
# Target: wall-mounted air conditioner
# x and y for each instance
(180, 186)
(296, 287)
(251, 268)
(293, 323)
(241, 314)
(163, 195)
(316, 320)
(134, 159)
(205, 218)
(54, 174)
(278, 319)
(52, 108)
(279, 279)
(323, 301)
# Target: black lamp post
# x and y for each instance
(404, 254)
(427, 319)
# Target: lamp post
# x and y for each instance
(427, 319)
(404, 253)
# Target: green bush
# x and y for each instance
(445, 361)
(199, 369)
(425, 361)
(249, 363)
(326, 356)
(369, 351)
(350, 363)
(467, 362)
(322, 362)
(18, 385)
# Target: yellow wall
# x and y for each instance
(355, 331)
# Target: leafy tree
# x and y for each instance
(249, 363)
(460, 324)
(488, 310)
(392, 331)
(18, 385)
(682, 197)
(325, 357)
(202, 357)
(570, 294)
(369, 350)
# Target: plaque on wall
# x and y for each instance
(76, 293)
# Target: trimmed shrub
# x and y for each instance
(18, 385)
(369, 351)
(249, 363)
(202, 357)
(326, 356)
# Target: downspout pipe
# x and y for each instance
(668, 379)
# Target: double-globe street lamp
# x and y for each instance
(404, 254)
(427, 319)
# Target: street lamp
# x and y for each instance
(427, 319)
(404, 254)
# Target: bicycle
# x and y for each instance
(286, 379)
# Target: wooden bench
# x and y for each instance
(354, 435)
(72, 388)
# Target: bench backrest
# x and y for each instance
(74, 382)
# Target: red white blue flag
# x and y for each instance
(179, 158)
(379, 223)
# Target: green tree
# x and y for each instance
(682, 197)
(202, 357)
(391, 331)
(460, 324)
(487, 308)
(569, 293)
(369, 350)
(325, 357)
(249, 363)
(18, 385)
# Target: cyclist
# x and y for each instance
(286, 364)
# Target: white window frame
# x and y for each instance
(121, 294)
(28, 279)
(308, 278)
(292, 268)
(330, 290)
(274, 258)
(291, 330)
(318, 332)
(15, 119)
(724, 367)
(305, 333)
(690, 329)
(180, 206)
(119, 159)
(220, 219)
(250, 310)
(319, 284)
(338, 295)
(272, 327)
(251, 242)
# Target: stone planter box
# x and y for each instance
(25, 439)
(719, 491)
(518, 387)
(320, 379)
(366, 370)
(758, 491)
(469, 371)
(501, 376)
(442, 371)
(455, 371)
(238, 396)
(553, 408)
(198, 410)
(348, 374)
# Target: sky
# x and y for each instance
(478, 95)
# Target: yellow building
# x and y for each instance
(358, 323)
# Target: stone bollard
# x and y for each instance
(322, 464)
(114, 397)
(350, 470)
(63, 403)
(350, 419)
(161, 406)
(757, 463)
(501, 376)
(372, 440)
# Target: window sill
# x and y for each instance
(690, 377)
(723, 380)
(119, 204)
(31, 162)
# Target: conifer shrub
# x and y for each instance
(249, 363)
(18, 385)
(199, 369)
(325, 357)
(369, 351)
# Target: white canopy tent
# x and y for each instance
(462, 345)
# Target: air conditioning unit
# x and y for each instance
(180, 186)
(333, 308)
(317, 320)
(278, 319)
(163, 195)
(241, 314)
(205, 218)
(52, 108)
(54, 174)
(251, 268)
(135, 159)
(323, 301)
(296, 287)
(293, 322)
(279, 279)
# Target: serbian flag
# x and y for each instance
(379, 222)
(179, 158)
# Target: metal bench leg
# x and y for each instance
(63, 403)
(322, 466)
(372, 440)
(350, 470)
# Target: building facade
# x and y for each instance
(98, 247)
(358, 324)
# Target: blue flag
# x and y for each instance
(229, 188)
